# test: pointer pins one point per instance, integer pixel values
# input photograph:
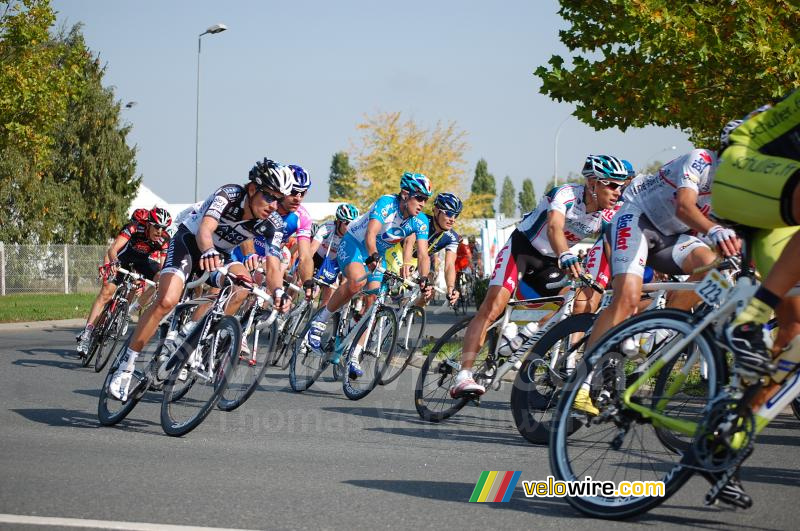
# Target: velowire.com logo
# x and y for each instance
(495, 486)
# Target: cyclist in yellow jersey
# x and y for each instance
(757, 185)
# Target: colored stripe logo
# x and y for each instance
(495, 486)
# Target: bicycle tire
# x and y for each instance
(290, 336)
(535, 394)
(675, 474)
(796, 407)
(112, 332)
(407, 343)
(222, 342)
(440, 375)
(105, 415)
(373, 359)
(306, 365)
(98, 333)
(245, 377)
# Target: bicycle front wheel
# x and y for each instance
(250, 369)
(110, 411)
(377, 350)
(438, 373)
(307, 364)
(283, 350)
(196, 383)
(621, 443)
(544, 371)
(409, 331)
(111, 335)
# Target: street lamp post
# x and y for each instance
(216, 28)
(555, 150)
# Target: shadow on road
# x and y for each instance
(73, 418)
(68, 358)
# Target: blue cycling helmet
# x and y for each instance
(301, 180)
(448, 201)
(346, 212)
(604, 167)
(629, 167)
(416, 183)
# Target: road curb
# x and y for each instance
(43, 325)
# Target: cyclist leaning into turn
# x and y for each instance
(326, 243)
(140, 246)
(540, 248)
(389, 221)
(234, 213)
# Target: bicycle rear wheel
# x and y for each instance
(195, 385)
(378, 348)
(409, 332)
(306, 364)
(438, 372)
(250, 369)
(619, 444)
(537, 386)
(283, 349)
(98, 335)
(111, 335)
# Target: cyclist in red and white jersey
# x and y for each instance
(326, 243)
(140, 246)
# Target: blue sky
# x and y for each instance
(291, 80)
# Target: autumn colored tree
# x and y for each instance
(685, 63)
(391, 145)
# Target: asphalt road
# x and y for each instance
(302, 461)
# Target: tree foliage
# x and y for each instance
(527, 197)
(342, 185)
(484, 190)
(391, 145)
(66, 173)
(684, 63)
(508, 204)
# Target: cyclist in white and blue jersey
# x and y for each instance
(389, 221)
(540, 249)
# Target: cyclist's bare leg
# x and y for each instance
(354, 274)
(587, 300)
(627, 294)
(170, 289)
(239, 294)
(788, 314)
(492, 307)
(786, 272)
(700, 257)
(105, 295)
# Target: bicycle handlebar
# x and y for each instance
(584, 278)
(136, 276)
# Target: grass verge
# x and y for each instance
(22, 307)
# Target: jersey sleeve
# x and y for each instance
(273, 236)
(303, 224)
(128, 230)
(221, 199)
(382, 208)
(421, 227)
(561, 198)
(696, 170)
(452, 245)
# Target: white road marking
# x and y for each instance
(100, 524)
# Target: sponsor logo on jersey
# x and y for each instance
(623, 232)
(702, 162)
(393, 235)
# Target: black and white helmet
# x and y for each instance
(272, 175)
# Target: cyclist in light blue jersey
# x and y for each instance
(389, 221)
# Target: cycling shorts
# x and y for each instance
(517, 261)
(636, 242)
(327, 270)
(138, 262)
(350, 251)
(759, 171)
(183, 257)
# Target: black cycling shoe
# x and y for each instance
(750, 352)
(732, 494)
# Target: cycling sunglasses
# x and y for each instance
(300, 193)
(449, 213)
(614, 185)
(421, 198)
(269, 197)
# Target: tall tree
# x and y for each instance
(527, 197)
(484, 190)
(93, 162)
(390, 146)
(508, 204)
(686, 64)
(342, 184)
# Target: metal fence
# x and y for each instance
(49, 268)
